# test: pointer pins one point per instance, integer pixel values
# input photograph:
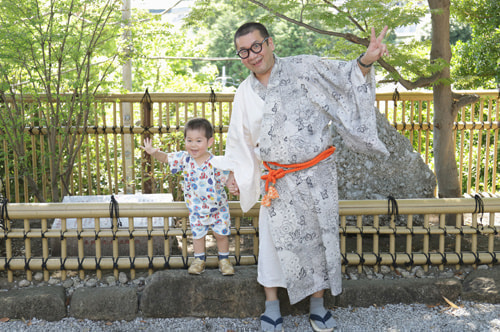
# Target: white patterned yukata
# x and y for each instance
(203, 193)
(290, 122)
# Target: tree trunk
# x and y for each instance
(444, 113)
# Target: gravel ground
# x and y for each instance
(466, 316)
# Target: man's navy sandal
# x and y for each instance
(316, 318)
(274, 323)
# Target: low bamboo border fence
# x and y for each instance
(372, 242)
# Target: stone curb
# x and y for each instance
(175, 293)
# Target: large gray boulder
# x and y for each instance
(402, 175)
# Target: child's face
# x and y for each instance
(197, 143)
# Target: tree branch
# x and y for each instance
(352, 19)
(348, 36)
(409, 85)
(460, 100)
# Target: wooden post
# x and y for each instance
(147, 167)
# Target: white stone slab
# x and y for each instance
(139, 222)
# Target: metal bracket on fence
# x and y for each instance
(479, 208)
(4, 215)
(395, 95)
(392, 206)
(114, 212)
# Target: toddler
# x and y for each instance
(203, 192)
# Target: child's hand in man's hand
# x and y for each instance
(148, 147)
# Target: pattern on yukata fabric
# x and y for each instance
(304, 97)
(204, 193)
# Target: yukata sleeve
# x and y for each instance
(352, 105)
(240, 156)
(176, 161)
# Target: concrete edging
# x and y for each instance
(175, 293)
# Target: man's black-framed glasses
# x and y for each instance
(256, 48)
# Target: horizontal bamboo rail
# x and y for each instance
(353, 234)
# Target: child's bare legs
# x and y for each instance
(199, 246)
(222, 243)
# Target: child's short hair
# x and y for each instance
(200, 123)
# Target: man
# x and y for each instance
(281, 127)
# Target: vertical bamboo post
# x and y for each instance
(343, 239)
(376, 239)
(392, 236)
(479, 146)
(151, 244)
(45, 247)
(419, 137)
(34, 162)
(64, 248)
(458, 237)
(116, 186)
(491, 236)
(487, 148)
(97, 160)
(81, 252)
(427, 133)
(237, 239)
(8, 247)
(425, 243)
(359, 240)
(98, 248)
(462, 145)
(27, 247)
(89, 185)
(473, 248)
(147, 168)
(106, 151)
(6, 171)
(442, 237)
(255, 223)
(131, 244)
(184, 240)
(409, 237)
(494, 178)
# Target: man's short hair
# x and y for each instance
(250, 27)
(200, 124)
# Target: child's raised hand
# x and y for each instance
(148, 146)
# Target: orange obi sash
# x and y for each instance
(275, 174)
